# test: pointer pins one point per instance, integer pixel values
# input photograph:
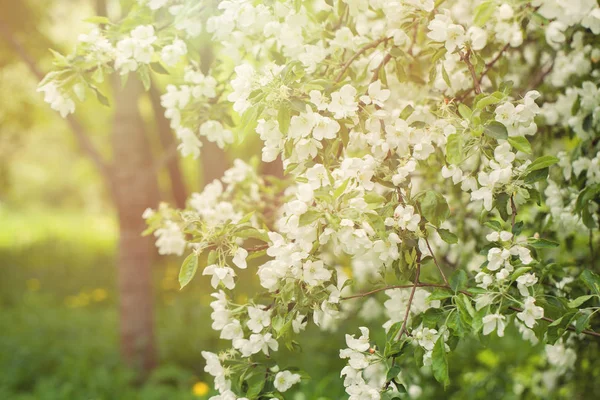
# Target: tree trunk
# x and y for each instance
(135, 189)
(213, 161)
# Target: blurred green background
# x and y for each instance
(60, 225)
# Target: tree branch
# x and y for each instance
(437, 285)
(410, 298)
(347, 64)
(513, 208)
(436, 262)
(382, 64)
(465, 57)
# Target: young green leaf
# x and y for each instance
(188, 270)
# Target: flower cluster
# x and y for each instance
(430, 171)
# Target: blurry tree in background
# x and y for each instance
(141, 146)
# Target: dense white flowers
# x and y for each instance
(418, 193)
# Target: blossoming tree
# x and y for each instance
(442, 168)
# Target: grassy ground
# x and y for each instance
(58, 318)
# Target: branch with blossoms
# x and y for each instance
(381, 173)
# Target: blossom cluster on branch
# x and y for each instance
(442, 168)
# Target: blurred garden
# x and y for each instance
(88, 308)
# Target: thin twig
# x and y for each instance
(436, 262)
(382, 64)
(513, 207)
(419, 284)
(437, 285)
(490, 65)
(357, 54)
(465, 57)
(410, 298)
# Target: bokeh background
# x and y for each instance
(71, 197)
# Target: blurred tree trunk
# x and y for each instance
(135, 188)
(213, 162)
(274, 168)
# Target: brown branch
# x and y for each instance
(382, 64)
(490, 65)
(258, 248)
(437, 285)
(83, 140)
(465, 57)
(436, 262)
(419, 284)
(513, 207)
(410, 298)
(347, 64)
(539, 78)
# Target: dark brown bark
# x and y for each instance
(274, 168)
(136, 188)
(167, 140)
(213, 161)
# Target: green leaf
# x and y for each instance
(501, 202)
(283, 117)
(496, 130)
(256, 383)
(536, 176)
(158, 68)
(455, 149)
(392, 373)
(338, 191)
(493, 224)
(458, 280)
(580, 300)
(309, 217)
(439, 294)
(393, 348)
(542, 162)
(542, 243)
(188, 270)
(591, 280)
(483, 12)
(464, 111)
(520, 271)
(439, 362)
(557, 328)
(101, 98)
(406, 112)
(434, 207)
(582, 322)
(494, 98)
(249, 120)
(447, 80)
(520, 143)
(374, 198)
(448, 236)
